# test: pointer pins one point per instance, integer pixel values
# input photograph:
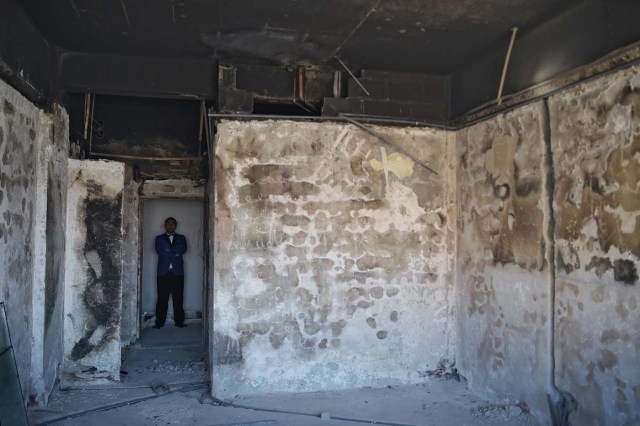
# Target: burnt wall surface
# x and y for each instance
(93, 289)
(19, 127)
(548, 251)
(595, 134)
(33, 149)
(502, 271)
(332, 257)
(48, 276)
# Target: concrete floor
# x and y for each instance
(166, 384)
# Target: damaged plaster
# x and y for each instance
(502, 283)
(49, 226)
(19, 128)
(93, 290)
(335, 256)
(329, 242)
(595, 135)
(33, 148)
(173, 188)
(504, 279)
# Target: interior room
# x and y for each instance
(380, 201)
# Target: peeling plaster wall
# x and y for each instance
(93, 289)
(19, 127)
(503, 274)
(509, 238)
(33, 146)
(333, 257)
(595, 133)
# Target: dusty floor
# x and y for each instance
(166, 384)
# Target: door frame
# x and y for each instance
(205, 263)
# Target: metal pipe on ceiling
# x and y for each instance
(341, 118)
(138, 157)
(514, 31)
(390, 142)
(346, 68)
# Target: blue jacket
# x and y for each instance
(170, 254)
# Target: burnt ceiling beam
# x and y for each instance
(138, 76)
(577, 37)
(27, 58)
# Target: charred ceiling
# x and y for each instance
(27, 58)
(372, 34)
(421, 60)
(171, 48)
(158, 138)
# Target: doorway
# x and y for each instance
(190, 217)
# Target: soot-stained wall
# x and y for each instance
(93, 290)
(55, 243)
(503, 274)
(548, 212)
(19, 127)
(333, 256)
(48, 275)
(595, 134)
(33, 149)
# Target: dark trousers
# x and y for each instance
(170, 285)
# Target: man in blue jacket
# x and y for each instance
(170, 277)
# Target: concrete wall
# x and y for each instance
(595, 134)
(33, 149)
(333, 253)
(503, 275)
(130, 325)
(49, 226)
(93, 287)
(537, 283)
(19, 127)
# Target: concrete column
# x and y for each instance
(93, 286)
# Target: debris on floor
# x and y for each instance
(516, 413)
(167, 383)
(445, 370)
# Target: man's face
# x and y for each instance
(170, 226)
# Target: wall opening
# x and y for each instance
(190, 217)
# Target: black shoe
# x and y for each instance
(181, 325)
(158, 326)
